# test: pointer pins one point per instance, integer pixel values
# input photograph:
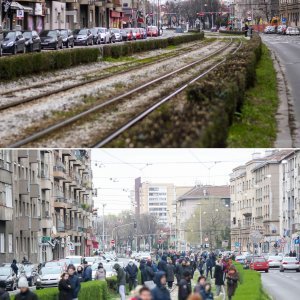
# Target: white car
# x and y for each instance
(75, 260)
(240, 259)
(292, 31)
(117, 33)
(49, 277)
(105, 35)
(289, 263)
(274, 261)
(90, 260)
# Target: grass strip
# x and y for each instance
(256, 125)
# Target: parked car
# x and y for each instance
(30, 271)
(117, 33)
(274, 261)
(240, 259)
(32, 41)
(281, 29)
(289, 263)
(83, 37)
(9, 277)
(90, 260)
(13, 42)
(75, 260)
(49, 277)
(152, 31)
(259, 264)
(129, 34)
(105, 35)
(214, 29)
(143, 33)
(51, 39)
(96, 35)
(67, 37)
(292, 31)
(270, 29)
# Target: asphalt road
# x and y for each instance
(287, 49)
(280, 285)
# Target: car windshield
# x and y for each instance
(28, 268)
(115, 30)
(64, 33)
(81, 31)
(102, 30)
(45, 271)
(9, 35)
(4, 271)
(75, 260)
(94, 31)
(27, 34)
(51, 33)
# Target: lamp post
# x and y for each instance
(103, 246)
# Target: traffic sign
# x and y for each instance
(206, 239)
(112, 242)
(297, 241)
(237, 244)
(283, 20)
(249, 19)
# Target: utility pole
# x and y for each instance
(103, 246)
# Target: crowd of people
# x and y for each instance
(160, 276)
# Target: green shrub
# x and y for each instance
(232, 31)
(89, 290)
(112, 283)
(32, 63)
(129, 48)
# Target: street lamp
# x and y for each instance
(103, 246)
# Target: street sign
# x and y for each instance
(255, 236)
(20, 13)
(237, 244)
(206, 239)
(283, 20)
(112, 242)
(297, 241)
(249, 19)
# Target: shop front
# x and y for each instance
(115, 19)
(88, 247)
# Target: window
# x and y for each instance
(8, 195)
(2, 243)
(10, 243)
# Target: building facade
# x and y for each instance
(255, 202)
(290, 11)
(47, 201)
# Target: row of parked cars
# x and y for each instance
(264, 263)
(49, 273)
(282, 29)
(16, 41)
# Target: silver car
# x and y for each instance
(49, 277)
(274, 261)
(290, 263)
(117, 33)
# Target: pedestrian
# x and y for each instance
(206, 293)
(162, 265)
(160, 292)
(201, 266)
(178, 271)
(246, 29)
(185, 289)
(149, 273)
(209, 266)
(132, 271)
(294, 253)
(14, 267)
(79, 273)
(145, 294)
(65, 288)
(87, 272)
(24, 261)
(232, 281)
(4, 295)
(100, 273)
(200, 285)
(143, 270)
(219, 278)
(134, 294)
(121, 280)
(170, 273)
(25, 293)
(74, 281)
(194, 297)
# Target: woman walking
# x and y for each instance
(65, 288)
(232, 281)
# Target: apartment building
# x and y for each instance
(255, 201)
(290, 11)
(47, 204)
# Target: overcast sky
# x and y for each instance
(114, 170)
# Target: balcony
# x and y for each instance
(59, 172)
(24, 187)
(23, 223)
(46, 223)
(22, 153)
(6, 213)
(35, 191)
(34, 224)
(67, 152)
(34, 156)
(246, 211)
(60, 201)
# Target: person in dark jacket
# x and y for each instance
(206, 292)
(200, 285)
(162, 265)
(232, 281)
(170, 273)
(219, 278)
(185, 289)
(79, 273)
(14, 267)
(87, 272)
(160, 292)
(209, 266)
(74, 281)
(121, 280)
(201, 266)
(25, 293)
(143, 271)
(132, 271)
(65, 288)
(4, 295)
(149, 271)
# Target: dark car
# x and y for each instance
(13, 42)
(96, 35)
(30, 271)
(1, 39)
(9, 277)
(51, 39)
(32, 41)
(67, 37)
(83, 37)
(112, 38)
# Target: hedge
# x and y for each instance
(204, 117)
(232, 32)
(128, 48)
(32, 63)
(250, 287)
(89, 290)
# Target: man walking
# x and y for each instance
(132, 272)
(87, 272)
(121, 280)
(14, 267)
(185, 289)
(74, 280)
(25, 293)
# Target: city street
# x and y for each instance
(287, 48)
(281, 285)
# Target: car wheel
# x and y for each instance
(15, 51)
(267, 271)
(281, 270)
(297, 270)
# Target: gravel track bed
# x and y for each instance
(100, 124)
(18, 122)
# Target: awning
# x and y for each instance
(89, 243)
(17, 6)
(95, 245)
(115, 14)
